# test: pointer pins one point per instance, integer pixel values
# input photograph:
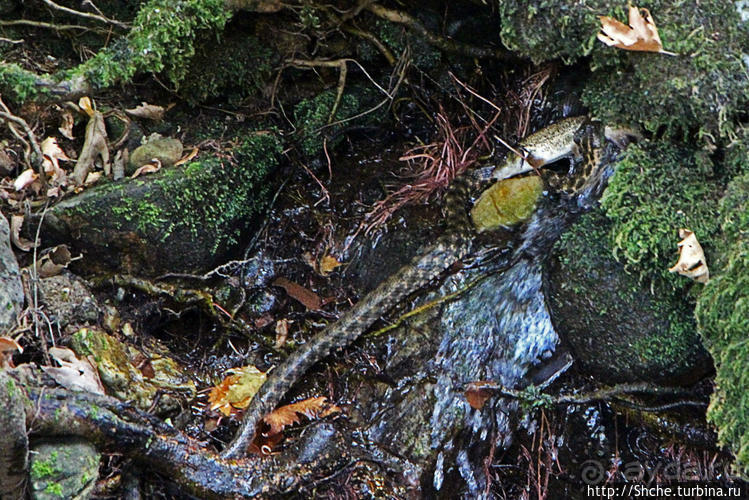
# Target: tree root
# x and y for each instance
(113, 425)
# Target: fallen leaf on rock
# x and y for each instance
(16, 223)
(692, 262)
(74, 374)
(25, 179)
(92, 178)
(275, 422)
(641, 34)
(308, 298)
(477, 393)
(189, 156)
(148, 168)
(147, 111)
(235, 392)
(7, 347)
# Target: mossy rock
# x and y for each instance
(11, 289)
(179, 219)
(701, 90)
(619, 330)
(66, 468)
(507, 203)
(723, 317)
(657, 189)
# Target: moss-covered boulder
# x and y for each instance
(723, 316)
(702, 89)
(182, 218)
(619, 330)
(67, 468)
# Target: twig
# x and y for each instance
(86, 15)
(8, 40)
(400, 17)
(38, 162)
(42, 24)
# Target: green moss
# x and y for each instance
(19, 83)
(312, 116)
(701, 91)
(10, 388)
(163, 38)
(54, 489)
(397, 39)
(93, 411)
(41, 469)
(655, 191)
(723, 317)
(240, 66)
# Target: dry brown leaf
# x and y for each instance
(147, 111)
(52, 263)
(25, 179)
(94, 145)
(235, 392)
(308, 298)
(87, 106)
(282, 333)
(148, 168)
(327, 264)
(641, 34)
(66, 124)
(52, 154)
(7, 347)
(477, 393)
(692, 262)
(274, 423)
(73, 373)
(16, 223)
(189, 156)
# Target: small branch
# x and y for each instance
(38, 162)
(8, 40)
(42, 24)
(85, 15)
(400, 17)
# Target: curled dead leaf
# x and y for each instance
(692, 262)
(16, 223)
(94, 145)
(641, 34)
(53, 262)
(148, 168)
(327, 264)
(189, 156)
(66, 124)
(8, 346)
(147, 111)
(73, 373)
(270, 427)
(87, 106)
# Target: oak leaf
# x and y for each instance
(477, 393)
(641, 34)
(692, 262)
(272, 425)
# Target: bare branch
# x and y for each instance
(85, 15)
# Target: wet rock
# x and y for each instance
(68, 301)
(11, 289)
(181, 219)
(143, 378)
(506, 203)
(166, 149)
(618, 329)
(63, 469)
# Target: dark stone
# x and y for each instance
(620, 330)
(11, 289)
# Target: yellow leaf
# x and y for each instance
(236, 390)
(327, 264)
(641, 34)
(692, 263)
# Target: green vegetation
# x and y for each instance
(656, 190)
(54, 489)
(163, 38)
(314, 114)
(41, 469)
(19, 83)
(723, 316)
